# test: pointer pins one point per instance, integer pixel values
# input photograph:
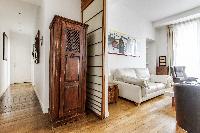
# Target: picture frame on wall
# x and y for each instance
(122, 44)
(162, 61)
(5, 46)
(36, 48)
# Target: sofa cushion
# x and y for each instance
(143, 73)
(153, 87)
(136, 81)
(180, 71)
(179, 74)
(119, 74)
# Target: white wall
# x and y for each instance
(129, 21)
(20, 46)
(161, 43)
(157, 48)
(39, 69)
(67, 8)
(151, 56)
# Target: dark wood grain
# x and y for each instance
(162, 70)
(55, 63)
(67, 69)
(85, 4)
(113, 93)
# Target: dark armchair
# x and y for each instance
(179, 75)
(187, 101)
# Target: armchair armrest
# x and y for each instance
(177, 80)
(191, 79)
(165, 79)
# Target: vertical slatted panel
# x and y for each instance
(93, 16)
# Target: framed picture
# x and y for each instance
(122, 44)
(162, 61)
(5, 46)
(36, 48)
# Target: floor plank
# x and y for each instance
(20, 112)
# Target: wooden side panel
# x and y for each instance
(93, 16)
(55, 69)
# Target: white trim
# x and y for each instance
(44, 109)
(189, 14)
(106, 71)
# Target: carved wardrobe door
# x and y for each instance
(67, 69)
(72, 90)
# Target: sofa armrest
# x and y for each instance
(165, 79)
(130, 91)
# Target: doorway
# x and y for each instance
(20, 58)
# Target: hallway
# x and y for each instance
(20, 111)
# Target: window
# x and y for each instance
(187, 47)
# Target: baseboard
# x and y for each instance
(2, 92)
(44, 109)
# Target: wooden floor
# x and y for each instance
(20, 112)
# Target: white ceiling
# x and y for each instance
(10, 17)
(154, 10)
(35, 2)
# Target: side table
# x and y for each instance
(113, 93)
(171, 94)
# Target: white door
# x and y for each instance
(20, 58)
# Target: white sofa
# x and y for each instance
(138, 85)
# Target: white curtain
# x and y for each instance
(186, 47)
(170, 54)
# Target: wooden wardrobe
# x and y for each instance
(68, 65)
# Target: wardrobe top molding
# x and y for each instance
(57, 18)
(85, 4)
